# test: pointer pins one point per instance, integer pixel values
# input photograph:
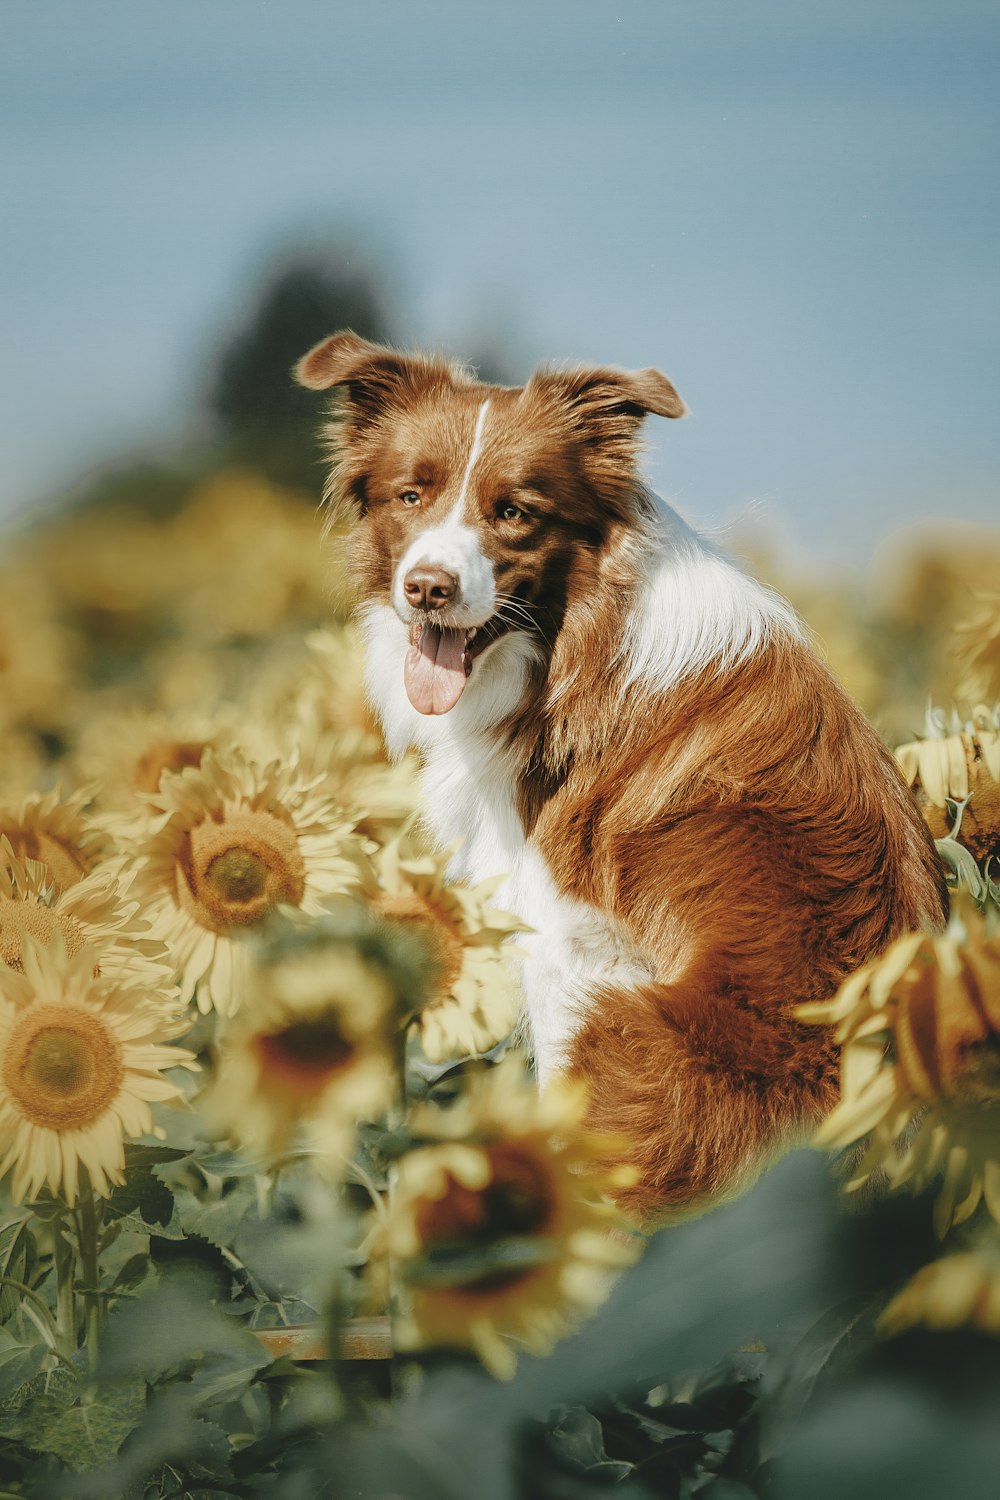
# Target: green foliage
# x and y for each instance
(144, 1199)
(783, 1273)
(49, 1415)
(738, 1358)
(21, 1360)
(17, 1255)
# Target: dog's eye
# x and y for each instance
(509, 512)
(410, 497)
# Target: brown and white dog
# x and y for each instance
(697, 822)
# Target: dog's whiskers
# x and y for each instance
(511, 608)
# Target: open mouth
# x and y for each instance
(440, 660)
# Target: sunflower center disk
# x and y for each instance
(62, 1068)
(239, 868)
(443, 939)
(38, 921)
(305, 1055)
(459, 1227)
(238, 876)
(61, 1063)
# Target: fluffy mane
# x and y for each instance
(695, 610)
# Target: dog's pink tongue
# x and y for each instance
(434, 672)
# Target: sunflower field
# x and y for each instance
(281, 1210)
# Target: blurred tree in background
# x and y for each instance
(265, 420)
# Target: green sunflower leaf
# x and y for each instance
(17, 1254)
(20, 1362)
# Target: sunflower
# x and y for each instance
(920, 1069)
(55, 831)
(37, 655)
(958, 1291)
(275, 570)
(980, 650)
(384, 797)
(316, 1044)
(81, 1063)
(501, 1234)
(333, 689)
(474, 1002)
(97, 914)
(126, 752)
(334, 732)
(233, 840)
(955, 762)
(25, 762)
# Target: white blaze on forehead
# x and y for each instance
(456, 547)
(474, 452)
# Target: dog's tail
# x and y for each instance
(706, 1088)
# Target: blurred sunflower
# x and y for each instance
(125, 751)
(276, 572)
(235, 839)
(979, 650)
(37, 655)
(332, 690)
(128, 752)
(919, 1030)
(96, 914)
(316, 1044)
(473, 1003)
(955, 762)
(958, 1291)
(182, 675)
(80, 1064)
(55, 831)
(25, 762)
(110, 571)
(328, 720)
(501, 1234)
(384, 797)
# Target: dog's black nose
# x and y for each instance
(429, 588)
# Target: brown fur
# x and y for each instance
(759, 844)
(747, 829)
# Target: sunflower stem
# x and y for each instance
(397, 1111)
(64, 1261)
(89, 1217)
(397, 1121)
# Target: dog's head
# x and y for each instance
(476, 503)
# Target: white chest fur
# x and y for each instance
(469, 789)
(573, 948)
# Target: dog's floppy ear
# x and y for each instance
(652, 391)
(335, 359)
(375, 376)
(603, 409)
(613, 398)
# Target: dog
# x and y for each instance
(696, 820)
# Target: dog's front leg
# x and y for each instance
(554, 1007)
(572, 952)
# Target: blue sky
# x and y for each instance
(791, 208)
